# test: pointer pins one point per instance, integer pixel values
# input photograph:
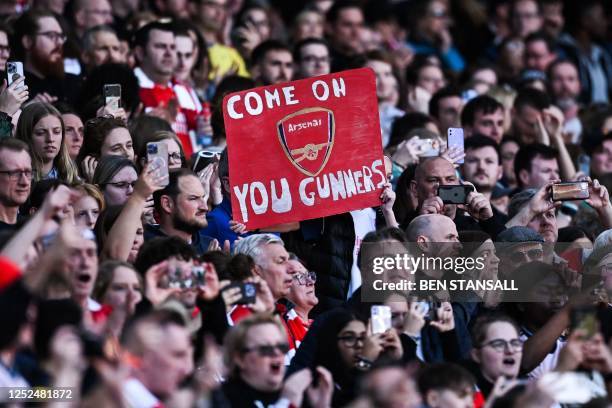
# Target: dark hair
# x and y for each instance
(419, 63)
(260, 52)
(240, 267)
(471, 241)
(141, 37)
(230, 84)
(509, 139)
(39, 191)
(389, 233)
(146, 125)
(53, 314)
(478, 141)
(223, 166)
(403, 125)
(14, 302)
(159, 249)
(297, 48)
(96, 131)
(526, 154)
(172, 189)
(26, 26)
(14, 145)
(541, 36)
(105, 222)
(184, 28)
(333, 13)
(91, 99)
(220, 260)
(446, 92)
(533, 98)
(108, 167)
(483, 104)
(443, 376)
(402, 206)
(65, 108)
(575, 11)
(482, 323)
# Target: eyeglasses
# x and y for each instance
(501, 345)
(175, 156)
(268, 350)
(54, 36)
(15, 175)
(304, 278)
(530, 255)
(311, 59)
(350, 340)
(123, 184)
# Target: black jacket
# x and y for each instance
(326, 246)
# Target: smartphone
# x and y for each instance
(584, 318)
(454, 137)
(429, 148)
(584, 164)
(380, 318)
(112, 95)
(578, 190)
(157, 152)
(248, 292)
(203, 159)
(14, 71)
(454, 194)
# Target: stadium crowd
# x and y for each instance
(129, 287)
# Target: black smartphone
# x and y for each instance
(578, 190)
(248, 292)
(454, 194)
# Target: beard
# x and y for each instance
(190, 226)
(43, 63)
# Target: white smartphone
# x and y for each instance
(14, 71)
(157, 152)
(380, 318)
(455, 138)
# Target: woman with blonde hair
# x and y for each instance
(41, 126)
(90, 204)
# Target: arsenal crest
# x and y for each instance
(307, 137)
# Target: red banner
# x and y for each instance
(304, 149)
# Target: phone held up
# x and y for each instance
(578, 190)
(112, 96)
(14, 71)
(157, 152)
(380, 318)
(454, 194)
(455, 138)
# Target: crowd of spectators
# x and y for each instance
(131, 288)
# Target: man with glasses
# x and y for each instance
(15, 180)
(312, 58)
(39, 43)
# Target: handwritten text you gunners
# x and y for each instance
(279, 197)
(254, 103)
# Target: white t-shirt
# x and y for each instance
(364, 221)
